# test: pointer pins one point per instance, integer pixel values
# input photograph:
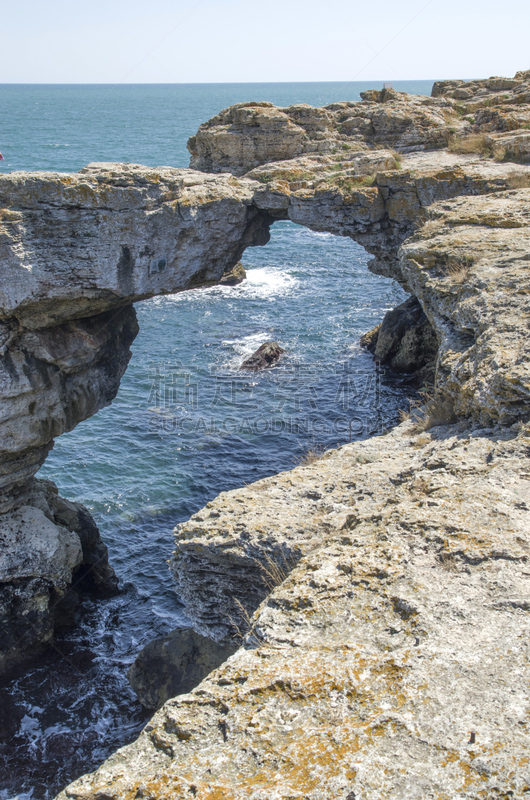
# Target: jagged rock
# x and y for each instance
(75, 252)
(44, 545)
(95, 574)
(265, 356)
(467, 267)
(402, 630)
(248, 135)
(233, 276)
(382, 587)
(405, 341)
(175, 664)
(231, 134)
(514, 146)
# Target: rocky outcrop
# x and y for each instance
(391, 662)
(175, 664)
(379, 593)
(233, 276)
(467, 266)
(50, 552)
(75, 252)
(250, 134)
(406, 342)
(265, 356)
(391, 574)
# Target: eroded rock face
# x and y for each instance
(383, 588)
(45, 545)
(75, 245)
(405, 341)
(52, 379)
(402, 631)
(250, 134)
(175, 664)
(468, 267)
(75, 252)
(392, 574)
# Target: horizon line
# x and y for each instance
(218, 83)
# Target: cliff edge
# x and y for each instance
(380, 593)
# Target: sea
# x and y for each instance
(187, 422)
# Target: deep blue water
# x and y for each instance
(187, 423)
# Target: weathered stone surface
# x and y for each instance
(76, 245)
(512, 146)
(392, 661)
(52, 379)
(380, 593)
(46, 545)
(265, 356)
(75, 252)
(233, 276)
(403, 627)
(468, 267)
(405, 341)
(247, 135)
(175, 664)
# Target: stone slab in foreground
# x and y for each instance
(394, 660)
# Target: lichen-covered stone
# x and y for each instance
(233, 276)
(392, 662)
(388, 655)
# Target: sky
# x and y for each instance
(206, 41)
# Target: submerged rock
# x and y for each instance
(265, 356)
(175, 664)
(233, 276)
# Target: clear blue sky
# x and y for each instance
(174, 41)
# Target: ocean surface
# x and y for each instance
(187, 423)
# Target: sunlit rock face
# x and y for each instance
(379, 592)
(75, 252)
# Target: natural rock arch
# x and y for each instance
(77, 250)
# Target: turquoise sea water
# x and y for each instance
(187, 423)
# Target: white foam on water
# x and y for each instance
(260, 283)
(243, 348)
(264, 282)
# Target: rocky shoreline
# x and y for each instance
(379, 594)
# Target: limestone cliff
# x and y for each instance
(380, 593)
(75, 252)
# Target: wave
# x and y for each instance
(261, 283)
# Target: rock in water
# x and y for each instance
(234, 275)
(405, 341)
(265, 356)
(175, 664)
